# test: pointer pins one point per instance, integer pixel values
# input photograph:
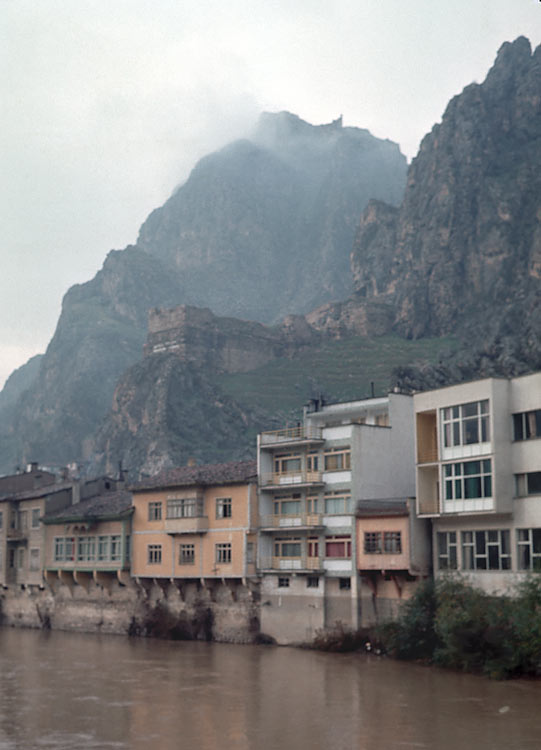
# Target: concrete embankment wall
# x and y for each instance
(221, 612)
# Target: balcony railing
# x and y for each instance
(187, 525)
(427, 456)
(292, 521)
(16, 533)
(290, 434)
(291, 564)
(428, 505)
(290, 478)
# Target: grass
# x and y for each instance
(341, 370)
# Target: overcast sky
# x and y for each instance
(108, 104)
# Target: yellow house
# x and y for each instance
(196, 522)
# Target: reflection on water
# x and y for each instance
(66, 690)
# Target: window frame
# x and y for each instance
(527, 547)
(444, 551)
(472, 549)
(155, 510)
(223, 553)
(337, 459)
(456, 421)
(527, 425)
(224, 508)
(338, 540)
(154, 554)
(186, 553)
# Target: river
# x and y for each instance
(70, 690)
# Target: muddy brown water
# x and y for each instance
(70, 690)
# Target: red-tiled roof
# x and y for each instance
(233, 472)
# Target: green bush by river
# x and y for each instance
(451, 624)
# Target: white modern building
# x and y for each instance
(478, 451)
(311, 478)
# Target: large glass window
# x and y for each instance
(528, 484)
(287, 463)
(338, 546)
(529, 549)
(337, 502)
(527, 425)
(182, 507)
(466, 424)
(466, 480)
(86, 548)
(287, 547)
(337, 459)
(382, 542)
(447, 550)
(287, 505)
(486, 550)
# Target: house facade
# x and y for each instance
(478, 454)
(196, 523)
(89, 542)
(311, 478)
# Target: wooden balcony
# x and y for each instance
(427, 456)
(293, 435)
(298, 520)
(290, 479)
(16, 535)
(188, 525)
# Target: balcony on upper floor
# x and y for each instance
(297, 521)
(300, 564)
(298, 478)
(186, 525)
(291, 436)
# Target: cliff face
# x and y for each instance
(260, 229)
(463, 251)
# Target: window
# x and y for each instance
(34, 558)
(186, 554)
(1, 519)
(527, 425)
(64, 549)
(528, 484)
(372, 542)
(286, 463)
(86, 548)
(344, 584)
(35, 518)
(466, 424)
(11, 560)
(313, 547)
(20, 558)
(115, 549)
(155, 511)
(468, 480)
(529, 549)
(387, 542)
(249, 552)
(312, 504)
(223, 507)
(312, 461)
(22, 520)
(312, 582)
(337, 502)
(103, 548)
(338, 546)
(185, 507)
(223, 553)
(486, 550)
(337, 459)
(287, 547)
(283, 582)
(128, 548)
(154, 553)
(447, 552)
(287, 505)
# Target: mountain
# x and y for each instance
(260, 229)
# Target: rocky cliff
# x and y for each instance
(463, 250)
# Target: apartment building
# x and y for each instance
(478, 450)
(196, 523)
(311, 477)
(89, 541)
